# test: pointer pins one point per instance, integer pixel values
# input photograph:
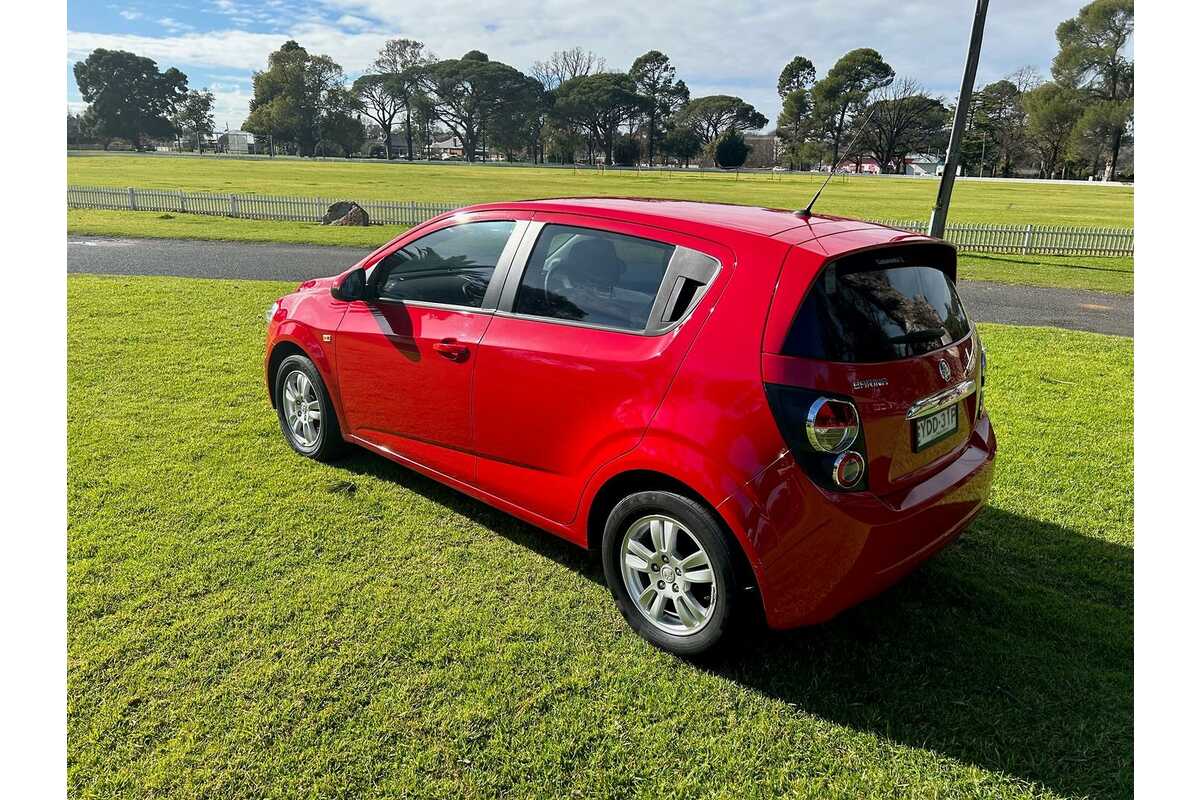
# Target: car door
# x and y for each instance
(592, 323)
(405, 357)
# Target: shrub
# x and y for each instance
(627, 150)
(730, 150)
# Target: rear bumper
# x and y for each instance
(818, 553)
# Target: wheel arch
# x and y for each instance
(279, 352)
(628, 482)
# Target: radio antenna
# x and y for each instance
(806, 212)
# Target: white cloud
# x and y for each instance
(354, 23)
(174, 25)
(130, 14)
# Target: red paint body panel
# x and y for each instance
(538, 415)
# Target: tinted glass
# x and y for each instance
(452, 266)
(593, 276)
(877, 315)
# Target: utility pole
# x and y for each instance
(937, 220)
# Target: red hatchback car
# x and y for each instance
(732, 404)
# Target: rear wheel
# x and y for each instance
(668, 565)
(305, 411)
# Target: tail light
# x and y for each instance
(848, 469)
(824, 434)
(832, 425)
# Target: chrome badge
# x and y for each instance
(944, 370)
(870, 383)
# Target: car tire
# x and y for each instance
(305, 410)
(693, 611)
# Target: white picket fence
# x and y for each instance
(980, 238)
(245, 206)
(1045, 240)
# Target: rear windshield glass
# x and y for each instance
(864, 315)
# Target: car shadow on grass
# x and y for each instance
(1012, 650)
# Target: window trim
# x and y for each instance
(504, 264)
(677, 267)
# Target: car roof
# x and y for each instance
(751, 219)
(786, 225)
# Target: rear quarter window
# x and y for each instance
(873, 308)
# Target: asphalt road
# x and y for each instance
(986, 302)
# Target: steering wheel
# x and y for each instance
(473, 288)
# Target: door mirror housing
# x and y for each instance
(352, 287)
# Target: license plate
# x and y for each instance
(935, 427)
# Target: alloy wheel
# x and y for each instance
(668, 574)
(302, 409)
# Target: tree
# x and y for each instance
(402, 60)
(563, 65)
(730, 149)
(715, 114)
(654, 77)
(999, 118)
(194, 116)
(1091, 58)
(904, 120)
(564, 136)
(517, 124)
(599, 103)
(799, 73)
(682, 142)
(627, 150)
(74, 129)
(381, 98)
(1053, 112)
(291, 95)
(128, 97)
(339, 124)
(467, 92)
(838, 96)
(792, 126)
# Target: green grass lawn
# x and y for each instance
(1078, 272)
(876, 198)
(245, 623)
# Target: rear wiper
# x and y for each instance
(924, 335)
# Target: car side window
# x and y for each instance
(452, 266)
(593, 276)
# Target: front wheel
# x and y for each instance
(305, 410)
(669, 567)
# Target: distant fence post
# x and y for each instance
(182, 202)
(132, 199)
(233, 205)
(1028, 239)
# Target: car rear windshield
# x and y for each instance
(866, 310)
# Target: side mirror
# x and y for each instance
(352, 287)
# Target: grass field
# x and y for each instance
(244, 623)
(1078, 272)
(876, 198)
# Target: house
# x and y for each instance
(764, 151)
(867, 166)
(446, 149)
(924, 164)
(234, 142)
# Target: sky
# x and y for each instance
(733, 47)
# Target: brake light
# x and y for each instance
(832, 425)
(848, 469)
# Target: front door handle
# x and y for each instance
(451, 349)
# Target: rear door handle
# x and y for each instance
(451, 349)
